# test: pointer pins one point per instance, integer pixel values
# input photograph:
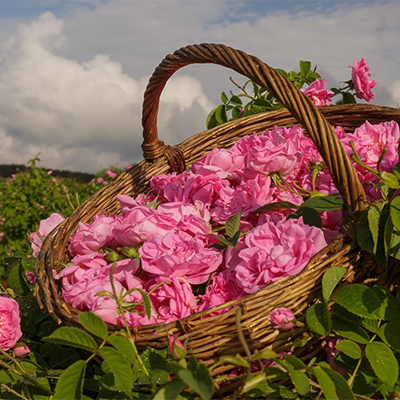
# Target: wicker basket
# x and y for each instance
(209, 337)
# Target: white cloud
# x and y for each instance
(72, 86)
(80, 116)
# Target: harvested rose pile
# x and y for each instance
(196, 240)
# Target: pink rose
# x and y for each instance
(91, 238)
(10, 330)
(222, 162)
(359, 76)
(45, 227)
(21, 350)
(318, 94)
(173, 300)
(139, 225)
(274, 250)
(221, 289)
(179, 255)
(247, 197)
(282, 319)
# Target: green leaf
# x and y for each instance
(300, 381)
(294, 361)
(365, 238)
(237, 360)
(349, 330)
(390, 334)
(395, 212)
(383, 362)
(120, 368)
(220, 114)
(27, 263)
(318, 319)
(330, 279)
(197, 378)
(224, 98)
(262, 103)
(390, 307)
(341, 385)
(324, 203)
(348, 98)
(360, 300)
(169, 390)
(211, 121)
(73, 337)
(94, 324)
(310, 216)
(233, 224)
(70, 384)
(349, 348)
(278, 205)
(17, 280)
(235, 100)
(122, 344)
(327, 384)
(390, 180)
(305, 67)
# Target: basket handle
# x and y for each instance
(298, 104)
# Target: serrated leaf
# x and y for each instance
(326, 383)
(236, 100)
(310, 216)
(330, 279)
(17, 280)
(295, 362)
(390, 180)
(342, 387)
(70, 384)
(324, 203)
(169, 390)
(211, 121)
(27, 263)
(232, 224)
(122, 344)
(383, 362)
(305, 67)
(348, 98)
(349, 330)
(318, 319)
(197, 378)
(390, 334)
(395, 211)
(73, 337)
(278, 205)
(94, 324)
(120, 368)
(360, 300)
(365, 238)
(220, 114)
(235, 360)
(300, 381)
(349, 348)
(390, 307)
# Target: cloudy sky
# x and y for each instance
(73, 72)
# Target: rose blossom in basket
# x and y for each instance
(359, 76)
(317, 93)
(274, 250)
(10, 330)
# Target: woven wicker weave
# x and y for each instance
(212, 336)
